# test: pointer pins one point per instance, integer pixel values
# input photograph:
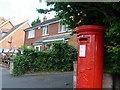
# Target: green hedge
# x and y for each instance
(60, 58)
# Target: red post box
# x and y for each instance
(90, 56)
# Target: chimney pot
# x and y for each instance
(44, 18)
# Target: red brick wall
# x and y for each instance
(52, 30)
(38, 35)
(73, 41)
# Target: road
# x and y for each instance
(54, 80)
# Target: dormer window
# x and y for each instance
(45, 30)
(31, 34)
(4, 33)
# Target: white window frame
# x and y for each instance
(29, 47)
(45, 30)
(31, 33)
(39, 47)
(62, 28)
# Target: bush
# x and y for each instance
(60, 58)
(112, 62)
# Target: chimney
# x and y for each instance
(44, 18)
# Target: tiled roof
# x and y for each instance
(49, 21)
(65, 36)
(14, 28)
(43, 23)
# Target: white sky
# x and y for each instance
(21, 10)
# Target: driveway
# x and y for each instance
(54, 80)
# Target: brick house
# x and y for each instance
(12, 37)
(41, 36)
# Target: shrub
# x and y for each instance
(60, 58)
(112, 62)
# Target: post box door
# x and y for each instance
(86, 61)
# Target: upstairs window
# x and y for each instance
(62, 28)
(45, 30)
(31, 34)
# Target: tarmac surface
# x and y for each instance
(54, 80)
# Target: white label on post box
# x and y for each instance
(82, 50)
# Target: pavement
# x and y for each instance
(53, 80)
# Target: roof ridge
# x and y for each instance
(42, 23)
(21, 23)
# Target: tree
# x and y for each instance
(86, 13)
(36, 21)
(81, 13)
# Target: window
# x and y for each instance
(45, 30)
(62, 28)
(31, 34)
(38, 47)
(4, 33)
(29, 47)
(0, 31)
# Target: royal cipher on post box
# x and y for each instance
(90, 56)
